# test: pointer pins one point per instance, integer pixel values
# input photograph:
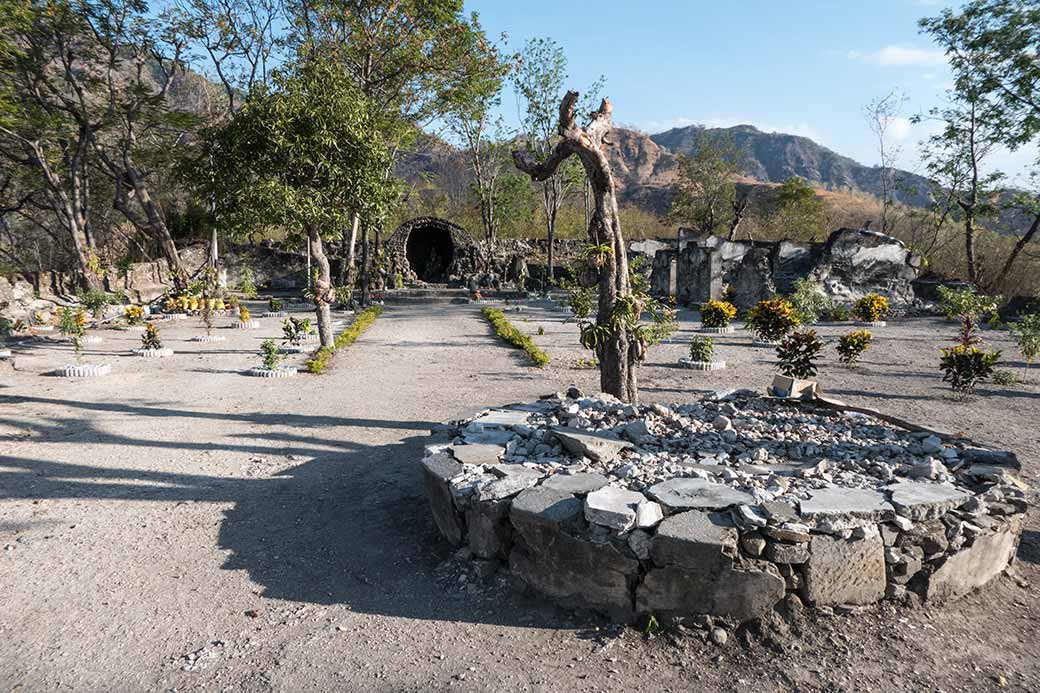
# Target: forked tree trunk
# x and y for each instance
(324, 294)
(619, 352)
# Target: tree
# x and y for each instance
(797, 212)
(706, 194)
(618, 339)
(302, 157)
(540, 74)
(881, 114)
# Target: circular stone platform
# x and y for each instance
(725, 507)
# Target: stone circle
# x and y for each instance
(280, 372)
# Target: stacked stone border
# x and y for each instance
(688, 547)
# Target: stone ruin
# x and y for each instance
(728, 508)
(850, 264)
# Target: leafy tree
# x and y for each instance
(706, 193)
(796, 211)
(302, 157)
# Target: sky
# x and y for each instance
(805, 67)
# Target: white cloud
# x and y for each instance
(900, 56)
(899, 128)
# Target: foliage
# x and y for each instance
(247, 283)
(295, 329)
(702, 349)
(798, 352)
(274, 304)
(541, 330)
(796, 211)
(967, 306)
(134, 315)
(586, 364)
(362, 321)
(1026, 333)
(772, 319)
(511, 335)
(72, 324)
(852, 345)
(1004, 377)
(269, 355)
(965, 366)
(597, 255)
(808, 300)
(705, 192)
(243, 314)
(870, 308)
(835, 312)
(717, 313)
(95, 301)
(150, 339)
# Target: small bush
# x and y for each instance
(808, 301)
(541, 331)
(95, 301)
(274, 304)
(1026, 334)
(852, 345)
(798, 353)
(1005, 378)
(295, 329)
(243, 314)
(717, 313)
(871, 308)
(956, 303)
(134, 315)
(269, 354)
(702, 349)
(586, 364)
(150, 339)
(505, 331)
(72, 324)
(364, 319)
(248, 283)
(772, 319)
(836, 312)
(966, 366)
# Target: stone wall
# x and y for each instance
(850, 264)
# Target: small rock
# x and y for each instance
(719, 636)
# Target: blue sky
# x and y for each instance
(805, 67)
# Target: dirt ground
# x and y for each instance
(179, 526)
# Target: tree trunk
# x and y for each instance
(158, 227)
(324, 294)
(619, 352)
(214, 252)
(1022, 242)
(347, 273)
(364, 267)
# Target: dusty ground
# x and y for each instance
(179, 526)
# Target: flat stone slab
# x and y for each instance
(597, 447)
(845, 503)
(582, 483)
(512, 479)
(480, 453)
(681, 493)
(845, 572)
(547, 506)
(918, 500)
(620, 509)
(695, 540)
(502, 418)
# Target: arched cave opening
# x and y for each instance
(430, 252)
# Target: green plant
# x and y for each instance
(717, 313)
(150, 339)
(835, 312)
(1004, 377)
(586, 364)
(808, 300)
(134, 315)
(243, 314)
(871, 308)
(95, 301)
(505, 331)
(247, 283)
(1026, 333)
(852, 345)
(295, 329)
(269, 355)
(967, 306)
(274, 304)
(702, 349)
(798, 352)
(772, 319)
(72, 324)
(541, 331)
(964, 366)
(596, 256)
(362, 321)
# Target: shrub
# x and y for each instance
(134, 315)
(1005, 378)
(72, 324)
(95, 301)
(870, 308)
(541, 330)
(509, 334)
(798, 353)
(965, 366)
(1026, 334)
(295, 329)
(717, 313)
(364, 319)
(772, 319)
(702, 349)
(808, 301)
(836, 312)
(269, 355)
(967, 306)
(852, 345)
(243, 314)
(247, 285)
(150, 339)
(586, 364)
(274, 305)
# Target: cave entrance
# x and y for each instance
(430, 252)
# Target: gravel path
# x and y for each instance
(178, 525)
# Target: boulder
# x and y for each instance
(975, 565)
(489, 531)
(856, 262)
(841, 571)
(438, 470)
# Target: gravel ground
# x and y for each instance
(178, 526)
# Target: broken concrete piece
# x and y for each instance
(918, 500)
(596, 446)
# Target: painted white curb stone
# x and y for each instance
(281, 372)
(728, 329)
(86, 370)
(702, 365)
(208, 338)
(875, 323)
(247, 325)
(133, 328)
(5, 353)
(274, 314)
(153, 353)
(298, 349)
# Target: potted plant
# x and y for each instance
(871, 310)
(702, 356)
(72, 325)
(245, 321)
(294, 330)
(275, 308)
(771, 320)
(852, 345)
(269, 367)
(151, 344)
(716, 316)
(797, 353)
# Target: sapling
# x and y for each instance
(269, 355)
(72, 324)
(295, 329)
(772, 319)
(150, 339)
(274, 305)
(1026, 334)
(852, 345)
(798, 353)
(702, 349)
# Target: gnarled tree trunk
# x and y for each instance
(619, 353)
(324, 294)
